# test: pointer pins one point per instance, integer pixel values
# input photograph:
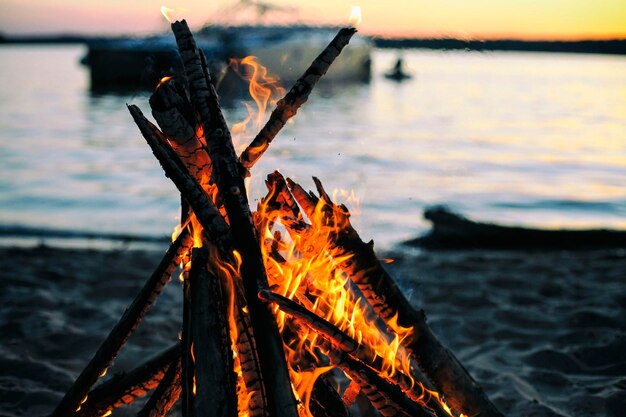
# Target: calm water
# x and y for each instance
(529, 138)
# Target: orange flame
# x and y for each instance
(263, 88)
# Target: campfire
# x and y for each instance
(287, 311)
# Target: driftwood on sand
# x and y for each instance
(454, 231)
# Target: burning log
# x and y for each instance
(166, 394)
(350, 394)
(229, 180)
(206, 212)
(359, 352)
(213, 389)
(176, 117)
(124, 388)
(105, 355)
(386, 397)
(288, 106)
(326, 401)
(380, 289)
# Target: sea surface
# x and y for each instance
(529, 138)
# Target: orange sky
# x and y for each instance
(525, 19)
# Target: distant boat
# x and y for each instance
(286, 51)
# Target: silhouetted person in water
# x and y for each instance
(397, 73)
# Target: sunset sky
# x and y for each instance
(524, 19)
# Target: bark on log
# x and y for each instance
(227, 172)
(187, 365)
(325, 400)
(248, 357)
(125, 387)
(206, 212)
(386, 397)
(287, 107)
(166, 394)
(176, 118)
(360, 352)
(107, 352)
(440, 365)
(215, 381)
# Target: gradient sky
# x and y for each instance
(525, 19)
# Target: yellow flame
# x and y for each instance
(168, 12)
(264, 89)
(355, 16)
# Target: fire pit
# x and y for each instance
(274, 299)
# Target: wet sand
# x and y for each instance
(544, 332)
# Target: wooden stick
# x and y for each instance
(361, 352)
(248, 356)
(227, 173)
(386, 397)
(325, 400)
(166, 394)
(175, 115)
(287, 107)
(125, 387)
(379, 288)
(186, 342)
(206, 212)
(213, 358)
(107, 352)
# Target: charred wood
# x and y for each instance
(126, 387)
(325, 400)
(175, 115)
(288, 106)
(359, 352)
(227, 173)
(206, 212)
(166, 394)
(107, 352)
(440, 365)
(215, 384)
(386, 397)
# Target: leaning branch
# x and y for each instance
(288, 106)
(166, 394)
(206, 212)
(124, 388)
(227, 173)
(107, 352)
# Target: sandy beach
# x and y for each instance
(544, 332)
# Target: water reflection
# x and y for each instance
(530, 138)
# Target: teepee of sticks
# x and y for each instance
(269, 324)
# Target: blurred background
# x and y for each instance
(512, 131)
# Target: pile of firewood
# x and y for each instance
(254, 342)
